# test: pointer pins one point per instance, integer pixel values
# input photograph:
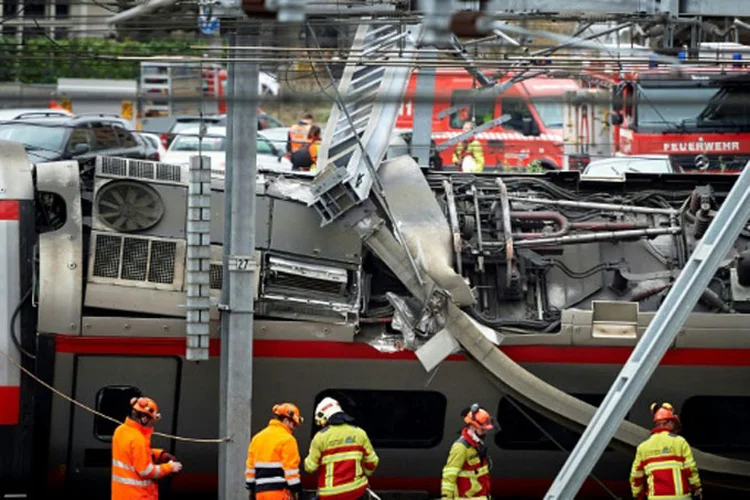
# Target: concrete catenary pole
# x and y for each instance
(198, 259)
(236, 376)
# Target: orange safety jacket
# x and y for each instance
(664, 468)
(467, 472)
(273, 463)
(344, 457)
(134, 472)
(298, 135)
(314, 148)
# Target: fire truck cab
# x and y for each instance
(532, 132)
(697, 117)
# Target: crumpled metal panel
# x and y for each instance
(414, 208)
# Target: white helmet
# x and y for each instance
(325, 410)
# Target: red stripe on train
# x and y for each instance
(10, 402)
(172, 346)
(9, 210)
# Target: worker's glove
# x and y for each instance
(176, 467)
(165, 457)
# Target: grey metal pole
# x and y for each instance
(661, 332)
(422, 130)
(198, 259)
(239, 256)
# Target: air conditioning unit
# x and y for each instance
(138, 196)
(311, 290)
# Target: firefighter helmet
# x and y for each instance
(664, 412)
(478, 418)
(327, 408)
(147, 406)
(289, 411)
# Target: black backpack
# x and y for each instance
(301, 158)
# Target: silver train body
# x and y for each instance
(106, 321)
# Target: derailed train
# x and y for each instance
(569, 272)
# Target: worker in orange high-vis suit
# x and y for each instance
(297, 136)
(341, 454)
(467, 472)
(135, 465)
(273, 459)
(664, 467)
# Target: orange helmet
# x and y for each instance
(290, 411)
(147, 406)
(478, 418)
(664, 411)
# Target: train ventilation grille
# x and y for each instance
(284, 280)
(139, 169)
(135, 259)
(304, 277)
(217, 276)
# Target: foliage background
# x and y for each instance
(41, 60)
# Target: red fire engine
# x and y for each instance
(535, 117)
(696, 116)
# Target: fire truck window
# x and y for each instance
(521, 119)
(104, 136)
(519, 431)
(478, 109)
(704, 423)
(414, 419)
(125, 138)
(113, 401)
(668, 107)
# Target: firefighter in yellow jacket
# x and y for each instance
(664, 467)
(467, 472)
(341, 453)
(469, 154)
(272, 471)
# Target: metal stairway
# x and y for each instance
(362, 120)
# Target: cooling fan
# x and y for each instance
(129, 206)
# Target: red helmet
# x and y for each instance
(664, 412)
(147, 406)
(478, 418)
(289, 411)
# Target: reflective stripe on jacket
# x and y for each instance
(344, 457)
(134, 472)
(664, 468)
(298, 135)
(474, 149)
(466, 474)
(273, 463)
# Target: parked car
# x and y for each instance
(82, 138)
(265, 121)
(618, 166)
(278, 137)
(23, 113)
(154, 141)
(213, 145)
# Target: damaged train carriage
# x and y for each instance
(563, 274)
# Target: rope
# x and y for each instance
(102, 415)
